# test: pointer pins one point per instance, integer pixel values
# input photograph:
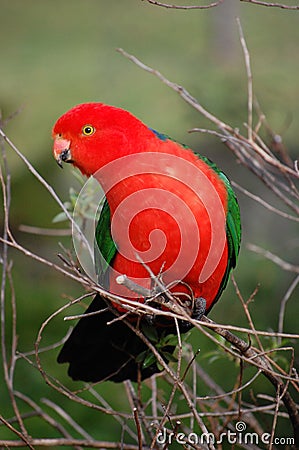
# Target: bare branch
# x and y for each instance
(284, 303)
(61, 442)
(271, 4)
(220, 124)
(262, 202)
(179, 89)
(139, 430)
(45, 231)
(67, 418)
(168, 6)
(249, 79)
(274, 258)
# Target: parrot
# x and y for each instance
(170, 223)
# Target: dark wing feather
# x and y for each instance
(97, 351)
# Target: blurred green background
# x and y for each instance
(55, 54)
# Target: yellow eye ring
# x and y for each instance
(88, 130)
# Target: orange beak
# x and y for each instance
(61, 150)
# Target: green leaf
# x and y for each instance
(73, 195)
(160, 367)
(149, 360)
(150, 332)
(79, 177)
(170, 357)
(60, 217)
(139, 358)
(170, 339)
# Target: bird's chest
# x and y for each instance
(159, 221)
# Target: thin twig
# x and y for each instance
(177, 88)
(63, 442)
(249, 78)
(46, 417)
(283, 304)
(219, 123)
(274, 423)
(271, 4)
(135, 401)
(274, 258)
(185, 7)
(262, 202)
(138, 427)
(118, 419)
(24, 442)
(45, 231)
(62, 413)
(8, 373)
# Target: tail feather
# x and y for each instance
(96, 351)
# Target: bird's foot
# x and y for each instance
(199, 309)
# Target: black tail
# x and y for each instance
(97, 351)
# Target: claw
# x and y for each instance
(199, 309)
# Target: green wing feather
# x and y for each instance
(105, 247)
(233, 225)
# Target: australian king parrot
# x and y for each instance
(170, 218)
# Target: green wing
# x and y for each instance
(105, 248)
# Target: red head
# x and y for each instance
(92, 134)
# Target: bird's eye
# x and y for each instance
(88, 130)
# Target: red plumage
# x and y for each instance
(168, 205)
